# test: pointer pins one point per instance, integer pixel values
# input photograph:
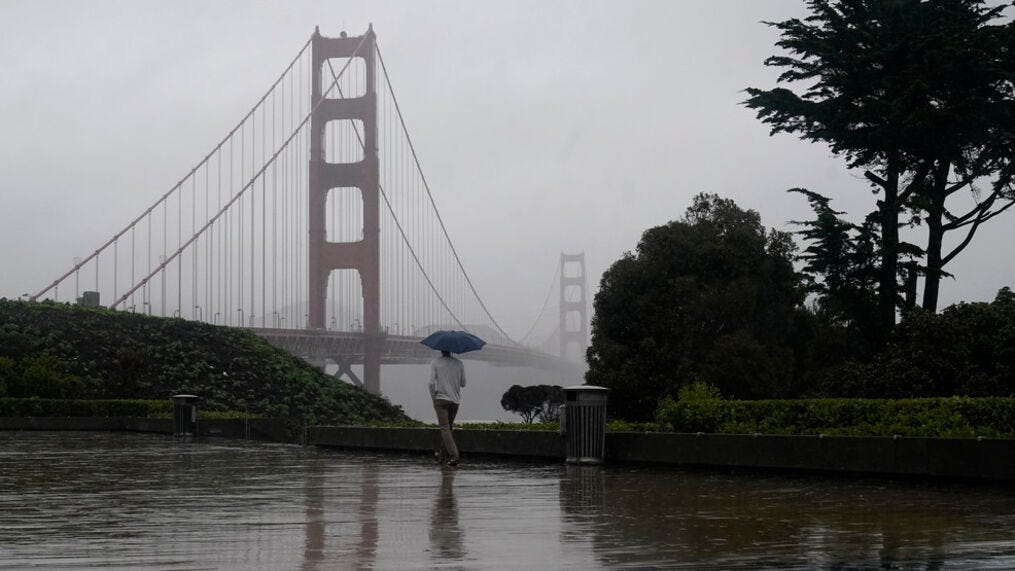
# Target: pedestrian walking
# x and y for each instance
(447, 377)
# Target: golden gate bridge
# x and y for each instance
(312, 224)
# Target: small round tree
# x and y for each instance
(536, 401)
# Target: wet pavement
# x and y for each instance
(133, 501)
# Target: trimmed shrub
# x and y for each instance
(930, 417)
(611, 426)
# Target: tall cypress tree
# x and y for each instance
(918, 95)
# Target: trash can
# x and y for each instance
(185, 415)
(583, 424)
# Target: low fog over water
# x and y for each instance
(406, 386)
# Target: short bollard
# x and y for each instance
(583, 424)
(185, 415)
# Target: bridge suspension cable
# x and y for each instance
(165, 197)
(227, 244)
(249, 184)
(554, 284)
(429, 194)
(239, 217)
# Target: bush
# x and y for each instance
(930, 417)
(701, 406)
(38, 376)
(966, 350)
(624, 426)
(52, 350)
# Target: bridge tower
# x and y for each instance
(573, 304)
(363, 255)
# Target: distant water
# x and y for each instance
(131, 501)
(406, 385)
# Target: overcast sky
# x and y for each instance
(542, 126)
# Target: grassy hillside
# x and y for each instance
(54, 350)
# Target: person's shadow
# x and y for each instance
(446, 535)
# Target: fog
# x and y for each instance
(542, 126)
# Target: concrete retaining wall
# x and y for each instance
(987, 458)
(992, 459)
(532, 444)
(966, 458)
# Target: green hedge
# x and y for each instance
(931, 417)
(531, 426)
(101, 408)
(611, 426)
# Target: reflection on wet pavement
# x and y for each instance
(131, 501)
(447, 539)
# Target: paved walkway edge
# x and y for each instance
(962, 458)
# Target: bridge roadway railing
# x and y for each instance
(351, 347)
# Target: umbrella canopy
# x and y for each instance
(453, 341)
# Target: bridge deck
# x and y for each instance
(350, 348)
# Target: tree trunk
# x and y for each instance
(912, 272)
(935, 235)
(888, 288)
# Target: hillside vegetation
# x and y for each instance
(51, 350)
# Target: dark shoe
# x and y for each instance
(453, 462)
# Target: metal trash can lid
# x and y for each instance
(185, 398)
(586, 393)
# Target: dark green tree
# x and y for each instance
(839, 262)
(551, 404)
(963, 83)
(535, 401)
(968, 349)
(917, 93)
(712, 297)
(840, 269)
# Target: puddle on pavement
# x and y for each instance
(72, 500)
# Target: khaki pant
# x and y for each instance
(446, 412)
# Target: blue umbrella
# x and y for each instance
(453, 341)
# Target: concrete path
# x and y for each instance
(114, 500)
